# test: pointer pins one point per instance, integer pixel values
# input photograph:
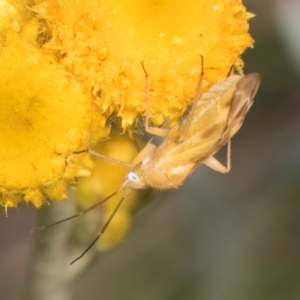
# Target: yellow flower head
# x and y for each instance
(45, 116)
(66, 71)
(104, 42)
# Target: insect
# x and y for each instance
(214, 119)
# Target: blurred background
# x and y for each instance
(218, 237)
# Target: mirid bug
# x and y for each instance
(214, 119)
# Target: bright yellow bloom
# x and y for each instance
(13, 15)
(45, 116)
(75, 67)
(104, 42)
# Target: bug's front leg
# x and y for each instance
(146, 151)
(150, 129)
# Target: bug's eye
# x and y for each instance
(133, 177)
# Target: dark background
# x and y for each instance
(218, 237)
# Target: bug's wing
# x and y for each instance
(206, 127)
(242, 101)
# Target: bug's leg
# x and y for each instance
(97, 154)
(119, 162)
(177, 135)
(216, 165)
(180, 137)
(148, 128)
(104, 226)
(140, 156)
(146, 151)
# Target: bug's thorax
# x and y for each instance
(150, 175)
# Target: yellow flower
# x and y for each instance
(13, 15)
(75, 67)
(45, 116)
(104, 42)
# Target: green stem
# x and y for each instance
(50, 275)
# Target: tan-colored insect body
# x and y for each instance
(215, 118)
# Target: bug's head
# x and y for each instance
(135, 180)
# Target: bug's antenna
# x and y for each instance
(104, 227)
(79, 214)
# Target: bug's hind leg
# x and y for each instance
(214, 164)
